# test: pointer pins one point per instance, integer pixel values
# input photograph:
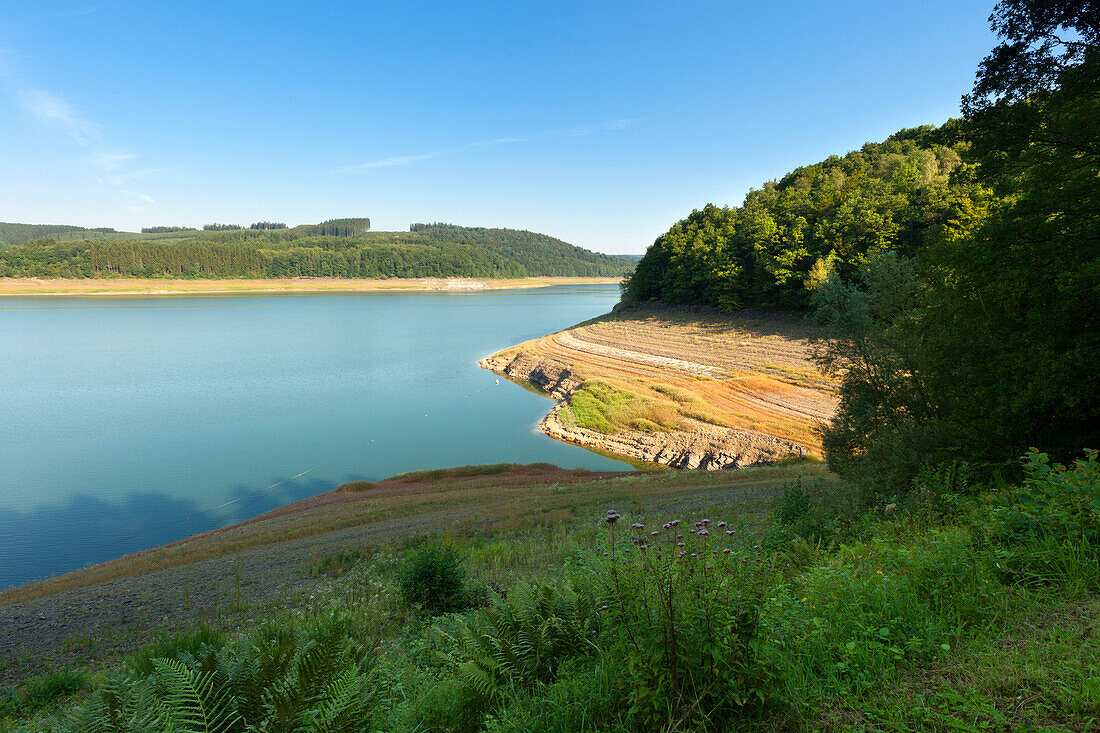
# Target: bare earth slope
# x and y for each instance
(679, 388)
(242, 574)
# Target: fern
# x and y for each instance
(289, 675)
(519, 642)
(194, 702)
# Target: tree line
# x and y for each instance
(957, 269)
(447, 252)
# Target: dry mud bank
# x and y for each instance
(733, 391)
(301, 285)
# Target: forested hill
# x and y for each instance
(901, 194)
(13, 234)
(325, 250)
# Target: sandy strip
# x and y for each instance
(143, 286)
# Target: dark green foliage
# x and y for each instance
(882, 431)
(267, 225)
(776, 248)
(433, 579)
(16, 234)
(189, 642)
(165, 230)
(584, 697)
(337, 564)
(512, 647)
(340, 228)
(289, 675)
(42, 691)
(1048, 528)
(303, 252)
(221, 227)
(448, 706)
(988, 341)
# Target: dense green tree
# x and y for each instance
(993, 344)
(899, 195)
(437, 251)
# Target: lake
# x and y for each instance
(127, 423)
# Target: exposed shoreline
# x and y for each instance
(23, 286)
(759, 415)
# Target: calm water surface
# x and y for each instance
(128, 423)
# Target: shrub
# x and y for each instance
(680, 626)
(433, 579)
(194, 642)
(512, 647)
(1047, 529)
(40, 692)
(819, 515)
(291, 674)
(337, 564)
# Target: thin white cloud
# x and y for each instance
(132, 175)
(144, 197)
(109, 166)
(398, 160)
(110, 160)
(52, 110)
(581, 131)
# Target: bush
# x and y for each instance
(818, 515)
(194, 643)
(512, 647)
(291, 674)
(434, 580)
(841, 626)
(680, 626)
(40, 692)
(1047, 529)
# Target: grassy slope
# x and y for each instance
(1032, 662)
(521, 497)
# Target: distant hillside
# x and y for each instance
(14, 234)
(336, 248)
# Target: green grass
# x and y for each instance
(895, 621)
(608, 409)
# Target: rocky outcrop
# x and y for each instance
(694, 445)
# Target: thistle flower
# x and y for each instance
(637, 525)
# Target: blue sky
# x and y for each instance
(598, 122)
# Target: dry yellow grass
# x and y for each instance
(747, 371)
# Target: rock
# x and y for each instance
(700, 445)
